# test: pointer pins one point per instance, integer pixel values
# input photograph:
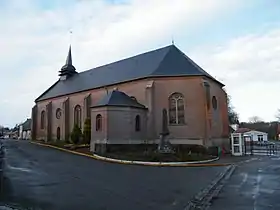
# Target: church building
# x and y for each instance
(125, 99)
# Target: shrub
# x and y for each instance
(76, 134)
(199, 149)
(87, 131)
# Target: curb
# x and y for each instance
(193, 163)
(127, 162)
(203, 199)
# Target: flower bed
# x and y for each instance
(158, 157)
(148, 154)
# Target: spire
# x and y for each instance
(69, 57)
(68, 69)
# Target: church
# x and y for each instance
(124, 101)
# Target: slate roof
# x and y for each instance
(242, 130)
(118, 98)
(163, 62)
(26, 125)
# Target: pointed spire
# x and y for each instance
(68, 69)
(69, 57)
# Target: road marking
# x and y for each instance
(256, 191)
(268, 191)
(275, 158)
(18, 168)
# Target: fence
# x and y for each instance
(261, 148)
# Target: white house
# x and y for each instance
(25, 130)
(256, 136)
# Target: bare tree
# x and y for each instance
(1, 130)
(255, 119)
(232, 114)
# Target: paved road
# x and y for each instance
(45, 178)
(255, 185)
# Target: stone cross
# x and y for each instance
(164, 145)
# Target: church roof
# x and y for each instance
(164, 62)
(118, 98)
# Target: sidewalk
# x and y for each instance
(233, 159)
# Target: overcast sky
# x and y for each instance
(236, 41)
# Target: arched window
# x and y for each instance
(43, 114)
(176, 109)
(214, 102)
(137, 123)
(58, 113)
(98, 122)
(78, 115)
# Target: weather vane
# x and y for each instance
(70, 32)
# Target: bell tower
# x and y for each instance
(68, 69)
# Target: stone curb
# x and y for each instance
(196, 163)
(203, 198)
(170, 164)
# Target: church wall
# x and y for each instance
(218, 115)
(58, 104)
(154, 95)
(124, 117)
(218, 119)
(41, 133)
(193, 131)
(143, 91)
(118, 125)
(99, 136)
(136, 89)
(197, 129)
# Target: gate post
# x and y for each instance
(237, 144)
(251, 145)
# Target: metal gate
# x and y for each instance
(261, 148)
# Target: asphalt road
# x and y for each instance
(44, 178)
(254, 185)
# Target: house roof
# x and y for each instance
(242, 130)
(245, 130)
(118, 98)
(231, 130)
(26, 125)
(163, 62)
